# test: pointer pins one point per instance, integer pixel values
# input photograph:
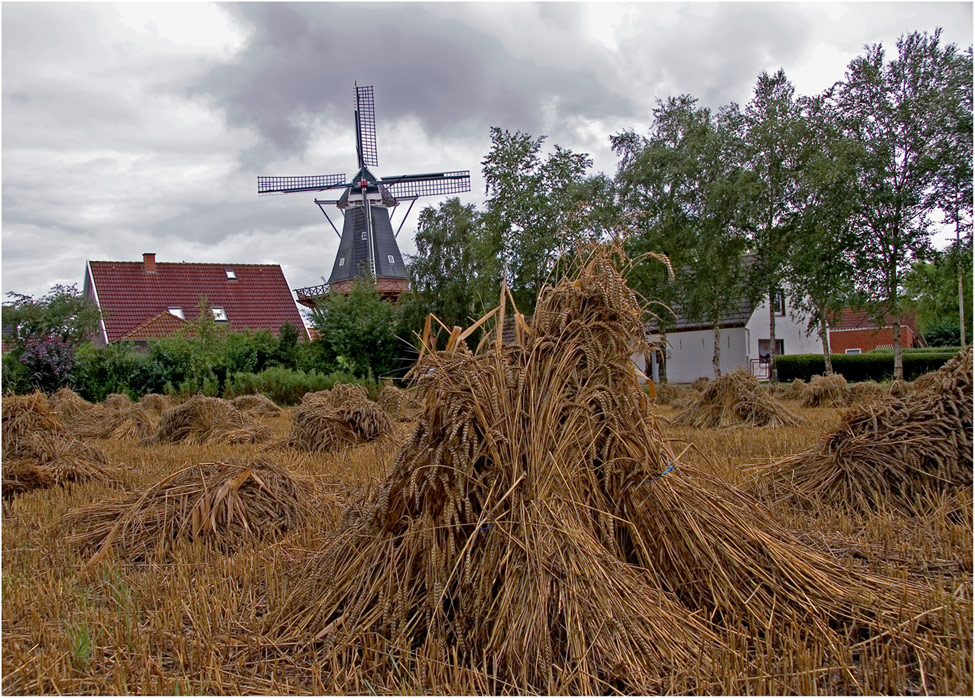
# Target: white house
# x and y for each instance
(744, 342)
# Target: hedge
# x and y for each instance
(918, 350)
(875, 366)
(286, 386)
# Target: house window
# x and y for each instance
(219, 314)
(852, 351)
(176, 311)
(342, 262)
(764, 346)
(231, 274)
(390, 258)
(778, 304)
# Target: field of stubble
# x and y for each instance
(189, 625)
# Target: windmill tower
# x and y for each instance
(368, 243)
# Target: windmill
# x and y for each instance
(368, 243)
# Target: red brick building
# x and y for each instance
(149, 299)
(853, 332)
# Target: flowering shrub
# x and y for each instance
(48, 360)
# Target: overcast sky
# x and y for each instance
(131, 128)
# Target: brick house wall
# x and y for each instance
(867, 339)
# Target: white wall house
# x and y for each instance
(744, 343)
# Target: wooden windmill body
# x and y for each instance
(368, 242)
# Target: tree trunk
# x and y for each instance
(824, 336)
(961, 307)
(773, 372)
(716, 360)
(898, 351)
(663, 357)
(961, 276)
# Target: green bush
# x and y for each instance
(918, 350)
(875, 366)
(100, 371)
(286, 387)
(16, 377)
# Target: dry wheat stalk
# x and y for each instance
(889, 453)
(256, 405)
(39, 452)
(156, 403)
(208, 419)
(825, 391)
(735, 399)
(221, 503)
(538, 526)
(343, 417)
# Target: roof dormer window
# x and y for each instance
(219, 314)
(231, 274)
(176, 311)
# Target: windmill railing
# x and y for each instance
(311, 292)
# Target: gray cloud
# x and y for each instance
(141, 127)
(452, 77)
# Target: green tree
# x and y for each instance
(46, 332)
(893, 109)
(932, 287)
(953, 193)
(820, 267)
(448, 274)
(529, 203)
(286, 350)
(656, 187)
(63, 313)
(771, 153)
(683, 183)
(358, 331)
(718, 276)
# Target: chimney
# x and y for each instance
(149, 262)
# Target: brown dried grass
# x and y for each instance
(539, 530)
(796, 389)
(256, 405)
(891, 453)
(735, 399)
(117, 401)
(328, 421)
(669, 394)
(68, 405)
(401, 405)
(131, 421)
(154, 402)
(825, 391)
(39, 452)
(864, 391)
(208, 419)
(223, 504)
(899, 387)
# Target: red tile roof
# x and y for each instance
(162, 324)
(850, 319)
(129, 296)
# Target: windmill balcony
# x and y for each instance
(308, 295)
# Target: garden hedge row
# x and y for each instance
(875, 366)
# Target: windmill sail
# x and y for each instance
(368, 244)
(289, 185)
(406, 186)
(365, 126)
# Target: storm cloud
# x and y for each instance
(138, 127)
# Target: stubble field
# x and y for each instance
(202, 621)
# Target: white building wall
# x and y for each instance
(690, 354)
(791, 330)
